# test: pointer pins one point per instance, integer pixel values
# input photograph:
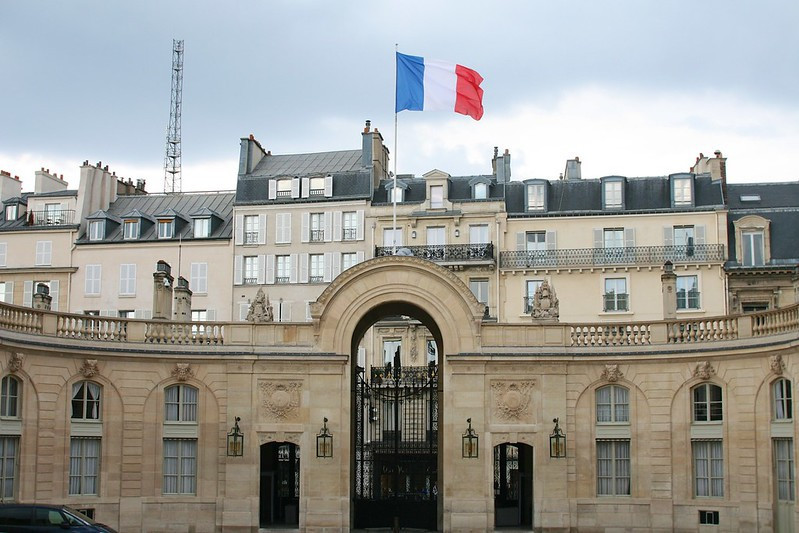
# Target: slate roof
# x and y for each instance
(182, 204)
(21, 223)
(307, 164)
(254, 190)
(460, 189)
(54, 194)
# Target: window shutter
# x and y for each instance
(306, 187)
(280, 224)
(210, 315)
(336, 265)
(359, 225)
(237, 273)
(54, 289)
(146, 314)
(107, 312)
(3, 254)
(520, 241)
(285, 312)
(272, 189)
(599, 241)
(328, 186)
(262, 229)
(629, 237)
(552, 240)
(261, 269)
(303, 268)
(239, 230)
(306, 227)
(359, 257)
(337, 226)
(270, 268)
(328, 221)
(361, 356)
(243, 310)
(699, 232)
(9, 292)
(293, 269)
(308, 311)
(329, 266)
(668, 236)
(295, 188)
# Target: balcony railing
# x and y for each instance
(444, 253)
(50, 218)
(592, 257)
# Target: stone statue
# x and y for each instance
(545, 303)
(260, 309)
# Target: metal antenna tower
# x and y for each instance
(173, 181)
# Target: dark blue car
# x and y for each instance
(29, 517)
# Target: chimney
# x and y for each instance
(162, 291)
(494, 161)
(250, 155)
(46, 182)
(573, 171)
(502, 164)
(42, 299)
(10, 187)
(374, 154)
(97, 189)
(182, 301)
(716, 167)
(668, 281)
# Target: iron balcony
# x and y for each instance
(57, 217)
(598, 257)
(445, 253)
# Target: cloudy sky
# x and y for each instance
(632, 87)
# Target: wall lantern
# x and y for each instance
(235, 440)
(557, 441)
(469, 442)
(324, 442)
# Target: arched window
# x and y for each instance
(9, 397)
(707, 405)
(783, 399)
(86, 401)
(180, 404)
(612, 404)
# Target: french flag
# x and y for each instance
(430, 85)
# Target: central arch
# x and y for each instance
(358, 299)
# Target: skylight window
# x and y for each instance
(750, 197)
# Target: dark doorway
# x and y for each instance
(513, 485)
(280, 484)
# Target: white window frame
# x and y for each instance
(436, 196)
(131, 229)
(316, 227)
(348, 260)
(93, 283)
(11, 212)
(479, 288)
(283, 269)
(782, 399)
(536, 197)
(613, 194)
(199, 278)
(614, 301)
(392, 233)
(390, 345)
(127, 279)
(750, 248)
(480, 191)
(44, 253)
(317, 270)
(250, 270)
(684, 300)
(166, 228)
(349, 226)
(96, 230)
(396, 194)
(682, 191)
(202, 227)
(530, 286)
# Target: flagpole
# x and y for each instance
(394, 189)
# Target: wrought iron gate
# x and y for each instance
(396, 447)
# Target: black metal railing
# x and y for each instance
(443, 252)
(250, 237)
(50, 217)
(349, 234)
(317, 235)
(589, 257)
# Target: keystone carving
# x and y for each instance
(704, 370)
(512, 400)
(280, 399)
(777, 364)
(15, 362)
(89, 368)
(612, 373)
(182, 371)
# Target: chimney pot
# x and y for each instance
(717, 153)
(368, 126)
(507, 151)
(252, 137)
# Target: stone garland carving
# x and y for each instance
(612, 373)
(704, 370)
(545, 303)
(15, 362)
(512, 399)
(280, 399)
(279, 436)
(182, 371)
(260, 309)
(777, 364)
(89, 368)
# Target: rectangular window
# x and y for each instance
(284, 188)
(199, 278)
(250, 270)
(436, 196)
(752, 248)
(348, 260)
(390, 347)
(480, 191)
(9, 451)
(202, 227)
(9, 397)
(613, 194)
(684, 235)
(44, 253)
(317, 227)
(688, 292)
(317, 268)
(783, 400)
(131, 229)
(535, 197)
(432, 351)
(283, 228)
(616, 297)
(316, 186)
(96, 230)
(479, 288)
(531, 286)
(349, 230)
(613, 467)
(84, 465)
(3, 253)
(6, 292)
(250, 229)
(395, 195)
(708, 468)
(784, 469)
(612, 404)
(93, 279)
(707, 403)
(478, 234)
(392, 237)
(166, 229)
(283, 274)
(709, 517)
(613, 237)
(127, 280)
(436, 236)
(85, 401)
(180, 404)
(11, 212)
(536, 241)
(180, 466)
(126, 313)
(52, 214)
(682, 188)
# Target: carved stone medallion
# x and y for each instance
(15, 362)
(612, 373)
(182, 371)
(512, 400)
(704, 370)
(280, 400)
(89, 368)
(777, 364)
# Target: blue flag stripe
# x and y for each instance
(410, 83)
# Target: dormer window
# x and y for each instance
(480, 191)
(682, 191)
(316, 186)
(202, 227)
(96, 230)
(11, 212)
(166, 228)
(536, 196)
(284, 188)
(396, 195)
(131, 229)
(436, 196)
(613, 194)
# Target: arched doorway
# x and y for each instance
(513, 485)
(280, 484)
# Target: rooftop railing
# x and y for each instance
(443, 252)
(57, 217)
(593, 257)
